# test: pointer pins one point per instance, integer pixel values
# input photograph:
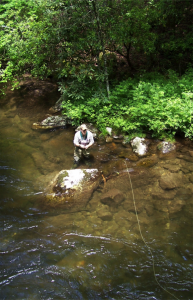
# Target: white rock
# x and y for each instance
(139, 146)
(109, 130)
(73, 178)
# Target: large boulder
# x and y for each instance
(51, 122)
(139, 146)
(72, 189)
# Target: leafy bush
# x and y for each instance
(159, 104)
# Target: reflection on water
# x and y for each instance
(96, 253)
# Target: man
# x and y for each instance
(83, 140)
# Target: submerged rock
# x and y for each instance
(164, 195)
(148, 161)
(176, 206)
(172, 168)
(104, 214)
(51, 122)
(139, 146)
(113, 197)
(127, 153)
(72, 189)
(169, 181)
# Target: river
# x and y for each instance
(53, 254)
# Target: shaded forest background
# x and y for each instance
(125, 64)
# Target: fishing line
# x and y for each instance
(144, 239)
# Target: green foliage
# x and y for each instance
(65, 38)
(159, 104)
(80, 43)
(23, 39)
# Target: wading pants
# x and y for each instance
(78, 152)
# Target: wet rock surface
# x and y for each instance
(72, 189)
(51, 122)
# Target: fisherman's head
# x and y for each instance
(83, 129)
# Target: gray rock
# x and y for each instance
(166, 147)
(51, 122)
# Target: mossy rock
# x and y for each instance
(72, 189)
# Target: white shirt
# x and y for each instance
(81, 141)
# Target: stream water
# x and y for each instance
(53, 254)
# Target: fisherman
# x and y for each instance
(83, 140)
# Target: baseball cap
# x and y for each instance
(83, 127)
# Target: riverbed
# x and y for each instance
(55, 254)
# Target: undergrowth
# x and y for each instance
(152, 102)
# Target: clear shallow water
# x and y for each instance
(52, 254)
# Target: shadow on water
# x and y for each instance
(96, 253)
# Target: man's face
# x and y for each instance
(83, 131)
